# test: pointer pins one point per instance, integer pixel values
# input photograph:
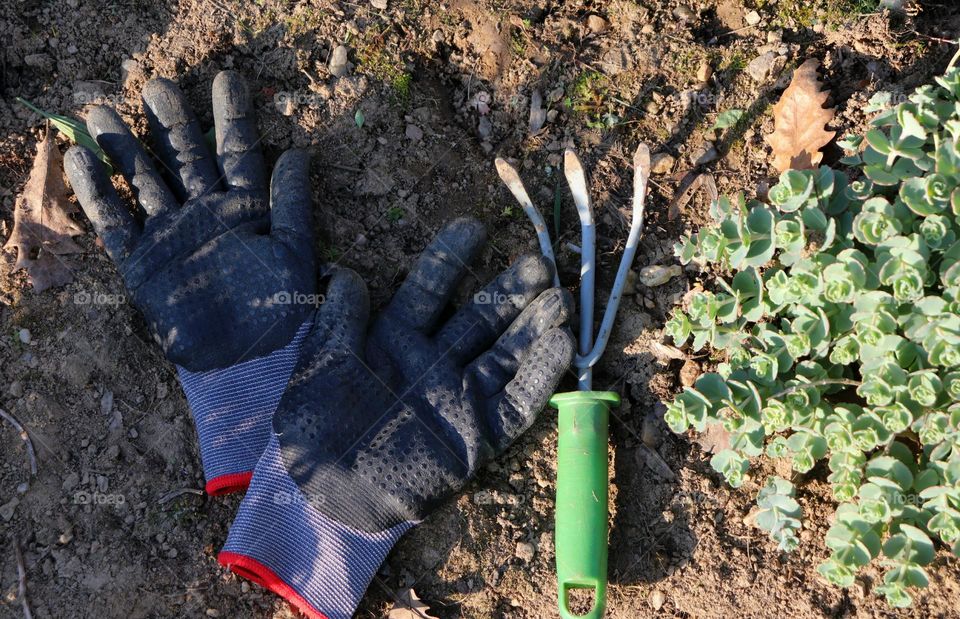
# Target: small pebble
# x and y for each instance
(379, 4)
(662, 163)
(658, 274)
(24, 335)
(597, 24)
(704, 71)
(765, 65)
(71, 481)
(16, 389)
(703, 155)
(8, 508)
(414, 133)
(752, 18)
(339, 65)
(684, 13)
(657, 599)
(484, 127)
(525, 551)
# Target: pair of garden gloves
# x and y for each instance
(348, 428)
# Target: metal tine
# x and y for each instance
(641, 176)
(577, 181)
(508, 174)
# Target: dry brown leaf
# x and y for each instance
(714, 438)
(799, 119)
(664, 353)
(42, 227)
(409, 606)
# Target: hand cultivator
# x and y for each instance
(581, 509)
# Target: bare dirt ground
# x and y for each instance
(443, 87)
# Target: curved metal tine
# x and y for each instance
(508, 174)
(577, 180)
(641, 175)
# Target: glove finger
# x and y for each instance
(478, 324)
(238, 151)
(513, 411)
(291, 202)
(340, 324)
(112, 220)
(427, 289)
(127, 153)
(179, 140)
(498, 366)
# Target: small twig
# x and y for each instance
(817, 383)
(22, 580)
(31, 455)
(339, 166)
(178, 492)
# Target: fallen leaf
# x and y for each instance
(799, 119)
(42, 227)
(689, 373)
(665, 352)
(714, 438)
(409, 606)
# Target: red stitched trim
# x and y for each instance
(232, 482)
(259, 573)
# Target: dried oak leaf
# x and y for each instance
(42, 227)
(799, 119)
(714, 438)
(409, 606)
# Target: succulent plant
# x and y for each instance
(839, 333)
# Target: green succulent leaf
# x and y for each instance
(836, 333)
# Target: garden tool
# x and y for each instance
(581, 507)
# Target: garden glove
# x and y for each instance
(221, 264)
(377, 427)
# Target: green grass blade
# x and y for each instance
(73, 129)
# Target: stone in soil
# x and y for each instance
(765, 65)
(339, 65)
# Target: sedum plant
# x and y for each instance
(838, 337)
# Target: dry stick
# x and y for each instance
(178, 492)
(31, 455)
(22, 580)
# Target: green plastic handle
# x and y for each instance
(581, 516)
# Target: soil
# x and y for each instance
(443, 88)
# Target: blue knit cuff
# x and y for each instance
(232, 410)
(281, 541)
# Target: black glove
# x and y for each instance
(376, 428)
(221, 265)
